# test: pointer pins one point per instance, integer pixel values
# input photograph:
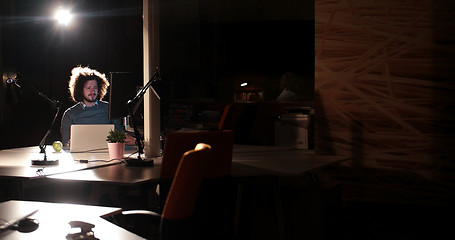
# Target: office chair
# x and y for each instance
(224, 117)
(177, 143)
(216, 202)
(178, 219)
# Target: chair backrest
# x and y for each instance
(214, 205)
(177, 143)
(223, 118)
(190, 172)
(176, 222)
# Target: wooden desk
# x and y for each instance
(277, 161)
(251, 163)
(54, 219)
(118, 174)
(17, 173)
(246, 161)
(16, 163)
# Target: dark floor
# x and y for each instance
(312, 211)
(322, 214)
(386, 221)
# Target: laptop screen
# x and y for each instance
(89, 137)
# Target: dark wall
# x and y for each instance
(206, 44)
(204, 47)
(106, 35)
(384, 96)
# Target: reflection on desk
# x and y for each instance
(54, 221)
(250, 160)
(16, 163)
(118, 174)
(246, 161)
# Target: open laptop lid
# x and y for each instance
(89, 137)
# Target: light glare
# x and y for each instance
(244, 84)
(63, 16)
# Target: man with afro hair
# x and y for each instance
(87, 87)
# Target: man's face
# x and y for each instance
(90, 92)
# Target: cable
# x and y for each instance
(90, 150)
(97, 160)
(122, 160)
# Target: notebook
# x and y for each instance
(12, 212)
(89, 137)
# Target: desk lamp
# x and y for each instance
(13, 93)
(139, 162)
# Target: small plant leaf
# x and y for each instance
(116, 136)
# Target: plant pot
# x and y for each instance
(116, 150)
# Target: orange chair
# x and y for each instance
(177, 219)
(216, 204)
(213, 213)
(224, 117)
(177, 143)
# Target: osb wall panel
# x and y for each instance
(385, 84)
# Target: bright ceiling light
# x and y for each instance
(63, 16)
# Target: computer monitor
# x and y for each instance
(123, 87)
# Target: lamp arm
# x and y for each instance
(57, 104)
(131, 103)
(39, 92)
(141, 92)
(139, 140)
(42, 144)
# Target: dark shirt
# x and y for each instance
(81, 114)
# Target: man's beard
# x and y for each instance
(90, 99)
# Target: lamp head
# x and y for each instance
(63, 16)
(13, 91)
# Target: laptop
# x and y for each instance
(11, 212)
(89, 137)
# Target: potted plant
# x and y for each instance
(116, 144)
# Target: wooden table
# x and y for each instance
(250, 160)
(118, 174)
(17, 173)
(252, 163)
(16, 162)
(246, 161)
(54, 221)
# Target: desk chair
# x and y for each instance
(239, 118)
(216, 196)
(180, 218)
(223, 119)
(177, 143)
